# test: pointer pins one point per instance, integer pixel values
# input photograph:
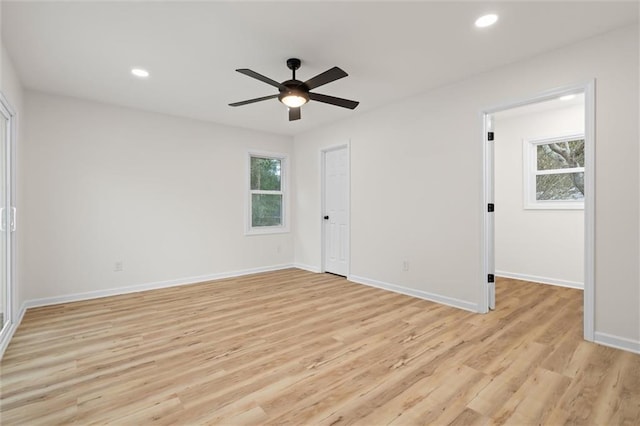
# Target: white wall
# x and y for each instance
(164, 195)
(541, 245)
(416, 183)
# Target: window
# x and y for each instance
(554, 173)
(267, 196)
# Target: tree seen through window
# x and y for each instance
(266, 191)
(560, 171)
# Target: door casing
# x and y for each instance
(8, 113)
(588, 88)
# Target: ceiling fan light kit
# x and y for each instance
(293, 98)
(295, 93)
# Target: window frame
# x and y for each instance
(530, 169)
(284, 185)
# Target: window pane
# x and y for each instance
(560, 155)
(266, 210)
(562, 186)
(265, 173)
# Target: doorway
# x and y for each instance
(335, 202)
(552, 176)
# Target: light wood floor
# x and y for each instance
(291, 347)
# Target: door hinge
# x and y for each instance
(491, 278)
(491, 207)
(489, 136)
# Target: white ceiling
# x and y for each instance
(391, 50)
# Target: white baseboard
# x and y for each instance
(449, 301)
(308, 268)
(4, 343)
(617, 342)
(540, 280)
(148, 286)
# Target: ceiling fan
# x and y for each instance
(295, 93)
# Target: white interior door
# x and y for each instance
(336, 211)
(490, 216)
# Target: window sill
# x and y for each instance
(267, 230)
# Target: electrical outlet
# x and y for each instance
(117, 267)
(405, 265)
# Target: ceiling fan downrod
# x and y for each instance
(293, 64)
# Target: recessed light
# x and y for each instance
(139, 72)
(566, 97)
(486, 20)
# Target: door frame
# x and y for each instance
(6, 109)
(323, 243)
(588, 88)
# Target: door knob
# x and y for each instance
(326, 218)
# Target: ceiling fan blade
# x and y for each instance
(344, 103)
(328, 76)
(294, 114)
(250, 101)
(260, 77)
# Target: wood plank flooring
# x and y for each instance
(294, 348)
